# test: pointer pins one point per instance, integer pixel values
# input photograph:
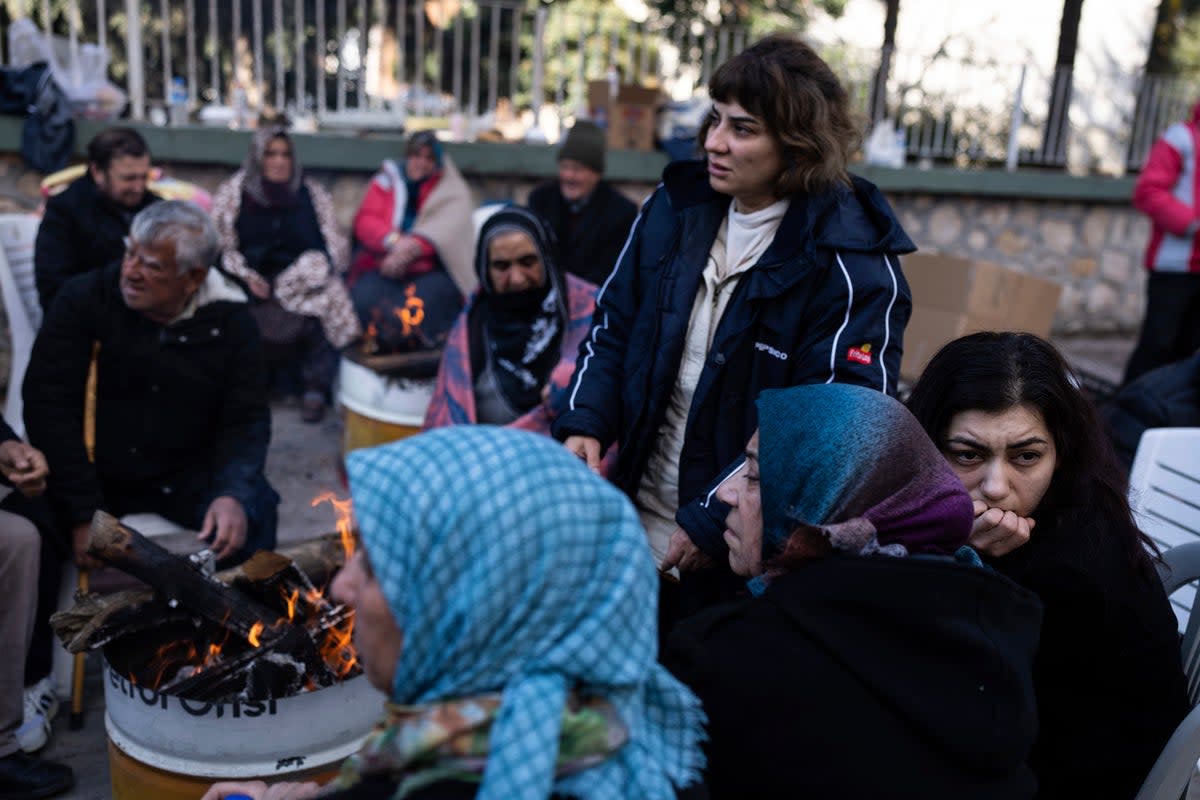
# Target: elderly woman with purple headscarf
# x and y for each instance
(874, 655)
(280, 237)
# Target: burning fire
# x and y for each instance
(291, 604)
(413, 313)
(383, 336)
(298, 602)
(338, 647)
(344, 508)
(370, 339)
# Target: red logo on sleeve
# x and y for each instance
(860, 354)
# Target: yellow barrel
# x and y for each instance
(361, 430)
(379, 408)
(133, 780)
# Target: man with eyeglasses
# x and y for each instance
(82, 227)
(182, 421)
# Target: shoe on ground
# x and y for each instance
(41, 699)
(33, 733)
(312, 408)
(24, 777)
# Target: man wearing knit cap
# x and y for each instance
(590, 217)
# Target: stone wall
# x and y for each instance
(1093, 250)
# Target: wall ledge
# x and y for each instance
(364, 152)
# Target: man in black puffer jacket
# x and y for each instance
(1167, 397)
(83, 225)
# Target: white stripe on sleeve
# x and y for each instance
(833, 350)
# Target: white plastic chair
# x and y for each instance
(1172, 772)
(17, 234)
(1164, 491)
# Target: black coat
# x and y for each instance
(1167, 397)
(182, 412)
(825, 302)
(1108, 673)
(867, 678)
(81, 231)
(591, 248)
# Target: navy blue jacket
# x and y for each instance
(826, 302)
(1166, 397)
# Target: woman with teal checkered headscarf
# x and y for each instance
(524, 595)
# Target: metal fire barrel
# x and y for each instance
(165, 747)
(380, 407)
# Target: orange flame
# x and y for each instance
(338, 649)
(255, 630)
(344, 508)
(369, 344)
(413, 313)
(291, 604)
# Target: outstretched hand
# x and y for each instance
(261, 791)
(587, 448)
(224, 527)
(683, 553)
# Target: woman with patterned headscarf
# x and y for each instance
(504, 599)
(280, 237)
(867, 661)
(512, 351)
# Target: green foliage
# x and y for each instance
(759, 16)
(1185, 55)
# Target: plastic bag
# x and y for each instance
(885, 146)
(79, 71)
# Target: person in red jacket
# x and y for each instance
(1167, 192)
(408, 235)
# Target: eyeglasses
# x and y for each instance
(134, 253)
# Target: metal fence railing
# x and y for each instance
(339, 55)
(1160, 100)
(436, 57)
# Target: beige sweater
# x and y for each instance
(740, 242)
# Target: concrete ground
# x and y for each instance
(302, 464)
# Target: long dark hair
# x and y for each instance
(993, 372)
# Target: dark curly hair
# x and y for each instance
(782, 81)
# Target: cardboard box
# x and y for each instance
(599, 99)
(629, 117)
(956, 296)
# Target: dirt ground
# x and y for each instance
(303, 463)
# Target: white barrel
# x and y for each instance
(396, 401)
(239, 739)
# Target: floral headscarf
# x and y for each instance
(254, 185)
(511, 568)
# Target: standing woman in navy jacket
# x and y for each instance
(764, 265)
